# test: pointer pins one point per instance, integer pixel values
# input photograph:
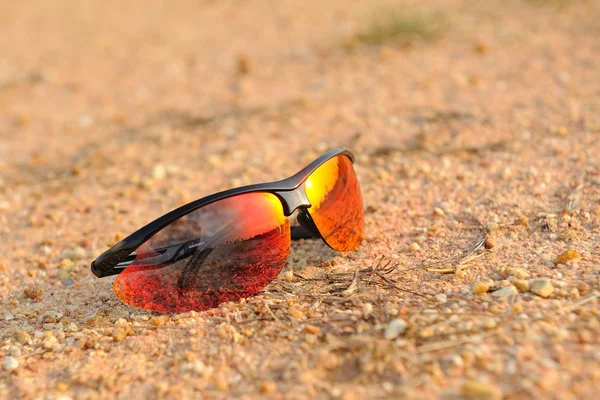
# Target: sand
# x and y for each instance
(476, 129)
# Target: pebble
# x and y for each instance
(507, 291)
(158, 321)
(159, 172)
(522, 285)
(328, 359)
(568, 255)
(492, 226)
(395, 328)
(481, 287)
(268, 387)
(34, 293)
(542, 287)
(472, 390)
(122, 330)
(414, 246)
(119, 334)
(519, 273)
(49, 342)
(288, 275)
(441, 298)
(312, 329)
(583, 287)
(23, 337)
(76, 253)
(14, 351)
(10, 363)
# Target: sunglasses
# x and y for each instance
(229, 245)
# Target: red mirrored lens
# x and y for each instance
(337, 207)
(225, 251)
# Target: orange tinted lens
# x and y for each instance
(225, 251)
(336, 203)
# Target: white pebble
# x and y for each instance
(395, 328)
(159, 172)
(506, 291)
(10, 363)
(441, 298)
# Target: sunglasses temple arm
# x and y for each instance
(299, 232)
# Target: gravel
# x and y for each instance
(476, 184)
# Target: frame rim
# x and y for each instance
(104, 264)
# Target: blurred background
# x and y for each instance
(115, 112)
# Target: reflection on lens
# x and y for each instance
(225, 251)
(336, 203)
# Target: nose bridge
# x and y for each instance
(293, 199)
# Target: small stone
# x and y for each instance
(439, 212)
(481, 287)
(268, 387)
(222, 384)
(472, 390)
(367, 308)
(72, 327)
(568, 255)
(296, 314)
(583, 287)
(395, 328)
(62, 387)
(519, 273)
(507, 291)
(158, 321)
(288, 275)
(542, 287)
(327, 359)
(522, 285)
(426, 332)
(505, 272)
(414, 246)
(489, 323)
(202, 369)
(492, 226)
(119, 334)
(489, 243)
(10, 363)
(310, 338)
(76, 253)
(481, 47)
(69, 281)
(14, 351)
(67, 262)
(122, 330)
(159, 172)
(441, 298)
(244, 64)
(312, 329)
(23, 337)
(49, 342)
(34, 293)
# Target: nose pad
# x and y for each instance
(306, 222)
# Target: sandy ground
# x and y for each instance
(484, 137)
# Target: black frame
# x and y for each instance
(290, 192)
